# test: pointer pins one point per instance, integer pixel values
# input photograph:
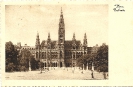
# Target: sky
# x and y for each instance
(22, 22)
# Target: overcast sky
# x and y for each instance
(23, 22)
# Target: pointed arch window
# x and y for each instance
(60, 53)
(43, 55)
(37, 54)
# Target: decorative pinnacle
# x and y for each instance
(74, 35)
(85, 35)
(48, 35)
(61, 10)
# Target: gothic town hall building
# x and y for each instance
(59, 53)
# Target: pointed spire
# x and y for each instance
(61, 13)
(85, 36)
(37, 35)
(37, 41)
(73, 36)
(61, 10)
(85, 40)
(73, 39)
(48, 40)
(48, 34)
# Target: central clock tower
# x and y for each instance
(61, 41)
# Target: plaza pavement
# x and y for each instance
(54, 74)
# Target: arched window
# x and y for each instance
(42, 54)
(81, 53)
(77, 53)
(45, 64)
(74, 56)
(60, 53)
(56, 64)
(45, 55)
(37, 54)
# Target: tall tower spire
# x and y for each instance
(61, 16)
(61, 40)
(37, 47)
(61, 32)
(85, 40)
(37, 41)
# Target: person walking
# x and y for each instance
(104, 74)
(92, 76)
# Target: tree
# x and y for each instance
(37, 64)
(10, 67)
(10, 56)
(90, 60)
(33, 63)
(101, 59)
(85, 59)
(41, 65)
(24, 58)
(81, 61)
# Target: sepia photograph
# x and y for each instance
(56, 42)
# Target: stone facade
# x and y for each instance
(60, 53)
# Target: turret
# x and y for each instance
(85, 41)
(74, 41)
(37, 41)
(49, 41)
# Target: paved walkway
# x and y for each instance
(55, 74)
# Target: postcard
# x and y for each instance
(66, 43)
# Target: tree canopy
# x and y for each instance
(99, 59)
(11, 56)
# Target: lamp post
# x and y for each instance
(92, 66)
(29, 66)
(87, 64)
(50, 59)
(83, 69)
(47, 60)
(82, 66)
(84, 56)
(41, 67)
(40, 61)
